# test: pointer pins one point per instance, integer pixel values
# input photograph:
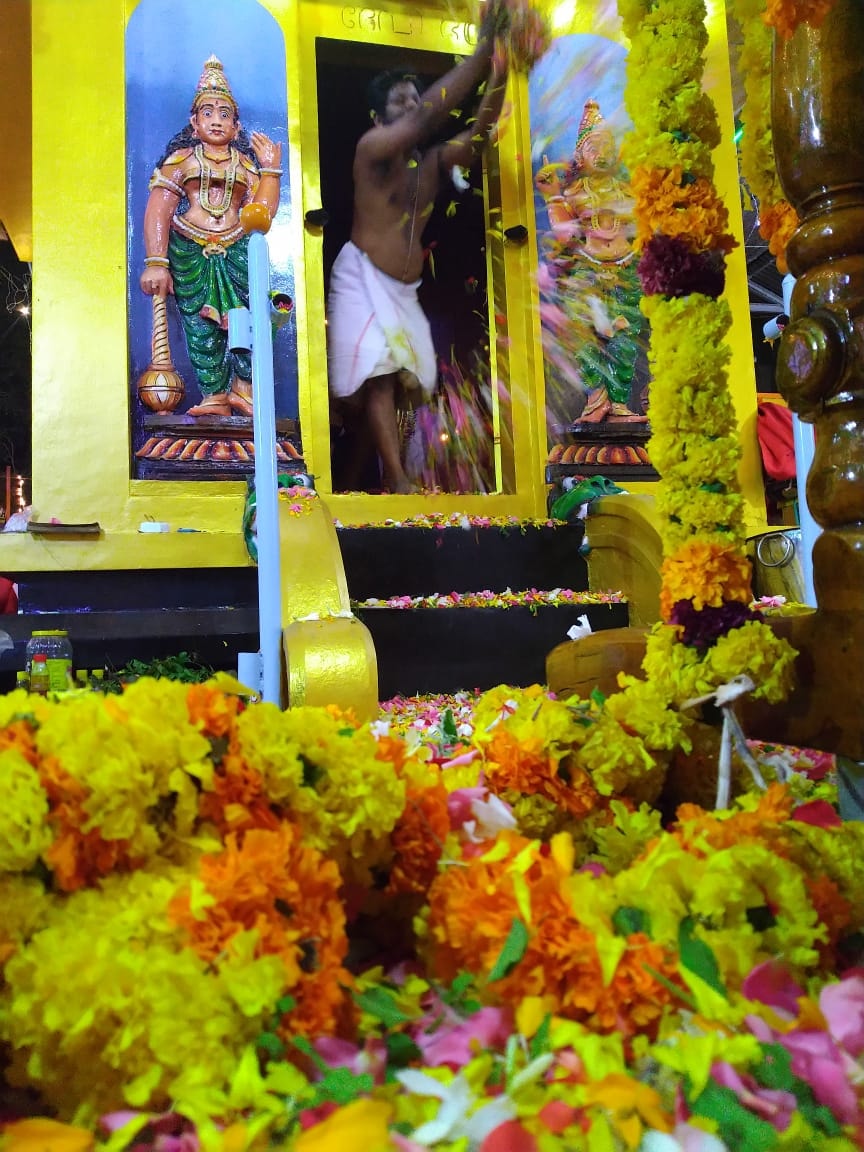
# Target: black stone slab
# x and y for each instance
(112, 639)
(385, 562)
(425, 650)
(136, 589)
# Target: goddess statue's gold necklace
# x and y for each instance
(222, 205)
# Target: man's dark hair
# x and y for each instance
(380, 86)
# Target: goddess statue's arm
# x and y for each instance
(156, 279)
(269, 157)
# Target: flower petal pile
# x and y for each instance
(294, 928)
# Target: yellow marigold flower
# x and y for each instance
(618, 762)
(347, 800)
(268, 744)
(104, 1004)
(706, 575)
(24, 908)
(660, 883)
(642, 707)
(622, 842)
(834, 852)
(24, 830)
(756, 650)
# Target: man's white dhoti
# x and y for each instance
(375, 326)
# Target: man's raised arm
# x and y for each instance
(439, 99)
(467, 146)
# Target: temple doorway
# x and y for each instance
(448, 445)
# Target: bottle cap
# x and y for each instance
(51, 632)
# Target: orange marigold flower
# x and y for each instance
(669, 203)
(835, 912)
(472, 909)
(703, 832)
(705, 573)
(777, 223)
(529, 766)
(418, 839)
(269, 882)
(213, 710)
(20, 735)
(237, 801)
(786, 15)
(77, 858)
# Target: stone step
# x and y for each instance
(426, 650)
(414, 561)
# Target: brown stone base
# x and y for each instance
(209, 447)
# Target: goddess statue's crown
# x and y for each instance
(213, 83)
(591, 121)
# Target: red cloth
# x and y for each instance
(774, 427)
(8, 597)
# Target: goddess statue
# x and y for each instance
(589, 280)
(195, 247)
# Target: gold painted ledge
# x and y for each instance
(329, 654)
(625, 553)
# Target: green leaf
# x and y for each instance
(738, 1127)
(311, 771)
(381, 1004)
(270, 1043)
(775, 1071)
(597, 697)
(448, 727)
(512, 952)
(285, 1004)
(303, 1045)
(401, 1050)
(775, 1068)
(342, 1086)
(539, 1043)
(628, 920)
(457, 995)
(697, 957)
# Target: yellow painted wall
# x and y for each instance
(80, 366)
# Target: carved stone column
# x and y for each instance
(818, 123)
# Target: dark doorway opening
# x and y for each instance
(449, 445)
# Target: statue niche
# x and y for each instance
(196, 251)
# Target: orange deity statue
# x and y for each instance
(195, 247)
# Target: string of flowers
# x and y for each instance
(529, 598)
(437, 521)
(708, 632)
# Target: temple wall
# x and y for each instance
(81, 447)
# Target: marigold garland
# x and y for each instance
(570, 1008)
(705, 574)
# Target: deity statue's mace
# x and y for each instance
(160, 385)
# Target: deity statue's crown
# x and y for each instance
(591, 121)
(213, 82)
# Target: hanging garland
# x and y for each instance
(708, 632)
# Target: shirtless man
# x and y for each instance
(380, 351)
